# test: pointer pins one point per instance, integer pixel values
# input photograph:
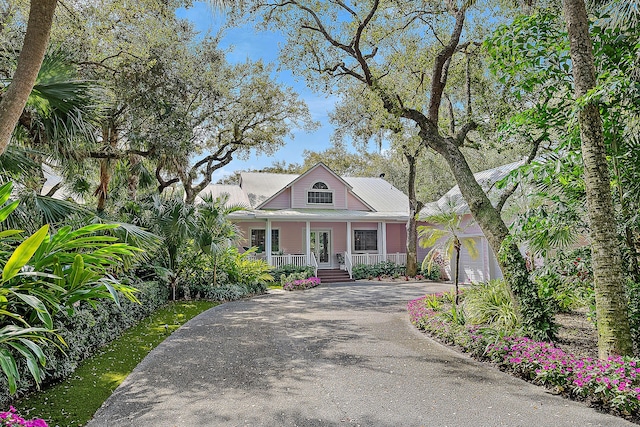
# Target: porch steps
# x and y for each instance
(334, 276)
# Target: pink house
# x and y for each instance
(329, 222)
(319, 218)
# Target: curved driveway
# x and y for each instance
(337, 355)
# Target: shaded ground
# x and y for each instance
(331, 356)
(577, 335)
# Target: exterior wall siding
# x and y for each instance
(282, 201)
(354, 204)
(335, 185)
(396, 238)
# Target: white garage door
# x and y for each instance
(472, 269)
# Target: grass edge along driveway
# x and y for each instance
(73, 401)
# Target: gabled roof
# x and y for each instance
(310, 170)
(453, 200)
(260, 186)
(379, 194)
(236, 195)
(256, 188)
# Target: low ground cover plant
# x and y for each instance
(288, 269)
(301, 284)
(612, 384)
(11, 418)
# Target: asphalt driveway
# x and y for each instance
(337, 355)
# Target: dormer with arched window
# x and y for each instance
(320, 194)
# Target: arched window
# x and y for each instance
(320, 194)
(320, 186)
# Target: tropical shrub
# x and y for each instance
(44, 274)
(432, 273)
(288, 269)
(566, 280)
(362, 271)
(225, 276)
(301, 284)
(385, 268)
(633, 295)
(490, 304)
(85, 331)
(293, 276)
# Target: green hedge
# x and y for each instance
(385, 268)
(85, 331)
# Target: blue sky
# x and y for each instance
(244, 43)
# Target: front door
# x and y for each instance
(321, 247)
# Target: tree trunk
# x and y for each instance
(412, 229)
(35, 44)
(133, 180)
(109, 136)
(614, 337)
(456, 280)
(535, 318)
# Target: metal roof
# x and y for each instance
(259, 186)
(453, 200)
(379, 194)
(236, 195)
(376, 192)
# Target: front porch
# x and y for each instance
(349, 260)
(326, 245)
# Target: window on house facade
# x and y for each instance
(365, 240)
(320, 194)
(258, 239)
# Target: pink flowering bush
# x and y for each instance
(301, 284)
(11, 419)
(613, 384)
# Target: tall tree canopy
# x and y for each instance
(377, 44)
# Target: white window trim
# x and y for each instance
(319, 190)
(360, 251)
(265, 237)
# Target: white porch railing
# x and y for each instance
(314, 264)
(371, 259)
(289, 259)
(348, 264)
(297, 260)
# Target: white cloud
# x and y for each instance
(221, 173)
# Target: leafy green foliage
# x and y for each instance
(75, 400)
(490, 304)
(433, 273)
(385, 268)
(566, 280)
(290, 269)
(44, 274)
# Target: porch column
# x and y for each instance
(267, 241)
(349, 238)
(384, 240)
(308, 241)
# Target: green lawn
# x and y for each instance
(74, 401)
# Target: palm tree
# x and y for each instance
(60, 115)
(215, 232)
(445, 235)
